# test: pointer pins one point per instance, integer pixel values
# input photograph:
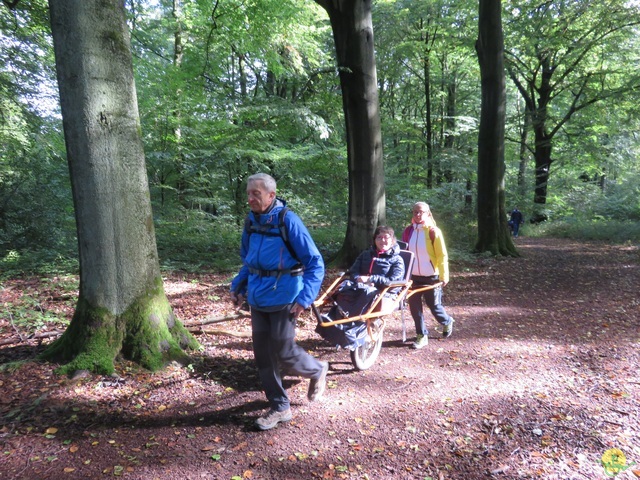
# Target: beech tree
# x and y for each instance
(122, 307)
(493, 234)
(353, 37)
(563, 57)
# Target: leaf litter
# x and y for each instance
(539, 379)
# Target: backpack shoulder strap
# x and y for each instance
(432, 234)
(284, 232)
(264, 230)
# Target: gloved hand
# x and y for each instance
(237, 299)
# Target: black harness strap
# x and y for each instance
(294, 272)
(283, 232)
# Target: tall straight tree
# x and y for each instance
(122, 307)
(493, 234)
(353, 37)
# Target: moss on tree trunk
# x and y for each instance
(146, 333)
(496, 242)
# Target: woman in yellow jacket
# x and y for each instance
(431, 265)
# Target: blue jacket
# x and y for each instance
(269, 253)
(516, 216)
(384, 267)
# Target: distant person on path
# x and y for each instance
(280, 277)
(431, 265)
(515, 221)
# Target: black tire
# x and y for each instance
(364, 356)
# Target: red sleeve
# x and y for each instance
(406, 234)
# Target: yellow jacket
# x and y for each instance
(421, 237)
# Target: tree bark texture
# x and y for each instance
(122, 306)
(493, 232)
(523, 154)
(352, 27)
(428, 125)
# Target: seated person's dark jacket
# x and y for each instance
(381, 267)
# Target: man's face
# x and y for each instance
(258, 197)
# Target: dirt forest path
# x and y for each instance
(539, 379)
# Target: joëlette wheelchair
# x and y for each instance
(362, 334)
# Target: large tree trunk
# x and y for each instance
(353, 36)
(122, 307)
(493, 233)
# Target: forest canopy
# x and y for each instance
(231, 88)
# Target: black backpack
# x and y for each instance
(283, 231)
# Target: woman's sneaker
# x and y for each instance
(448, 329)
(421, 342)
(317, 386)
(272, 418)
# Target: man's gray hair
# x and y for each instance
(267, 180)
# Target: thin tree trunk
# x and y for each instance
(524, 153)
(450, 119)
(542, 157)
(428, 134)
(178, 49)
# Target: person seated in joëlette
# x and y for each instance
(380, 265)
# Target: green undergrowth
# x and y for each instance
(198, 242)
(596, 229)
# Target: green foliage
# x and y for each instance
(35, 200)
(429, 95)
(611, 231)
(328, 239)
(35, 192)
(12, 367)
(567, 60)
(239, 98)
(43, 261)
(254, 87)
(28, 316)
(192, 240)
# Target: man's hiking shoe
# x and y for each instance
(421, 342)
(317, 386)
(448, 329)
(272, 418)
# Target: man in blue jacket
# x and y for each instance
(280, 277)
